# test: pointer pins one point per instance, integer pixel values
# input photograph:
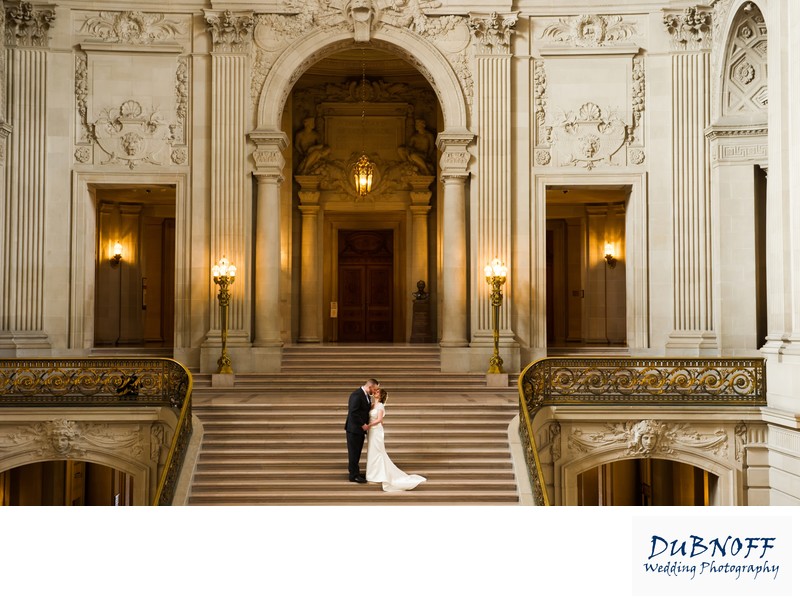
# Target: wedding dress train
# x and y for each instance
(379, 467)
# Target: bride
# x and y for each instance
(379, 467)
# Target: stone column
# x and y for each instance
(22, 207)
(310, 271)
(269, 162)
(420, 207)
(693, 320)
(231, 201)
(491, 225)
(455, 270)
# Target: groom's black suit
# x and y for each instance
(357, 416)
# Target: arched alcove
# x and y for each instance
(744, 67)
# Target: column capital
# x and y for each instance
(268, 156)
(27, 25)
(231, 32)
(491, 32)
(455, 153)
(690, 29)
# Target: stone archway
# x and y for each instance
(271, 140)
(568, 492)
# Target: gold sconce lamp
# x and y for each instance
(611, 261)
(117, 256)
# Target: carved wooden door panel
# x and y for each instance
(366, 273)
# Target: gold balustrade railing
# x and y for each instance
(577, 381)
(107, 382)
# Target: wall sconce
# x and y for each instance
(224, 274)
(609, 255)
(496, 276)
(117, 254)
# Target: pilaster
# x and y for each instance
(693, 320)
(231, 203)
(23, 206)
(491, 226)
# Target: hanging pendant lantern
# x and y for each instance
(362, 175)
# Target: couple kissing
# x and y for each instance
(366, 409)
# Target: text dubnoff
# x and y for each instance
(692, 557)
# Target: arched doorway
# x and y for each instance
(646, 482)
(67, 482)
(358, 258)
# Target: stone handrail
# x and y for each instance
(576, 381)
(107, 382)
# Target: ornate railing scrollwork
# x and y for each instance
(107, 382)
(631, 381)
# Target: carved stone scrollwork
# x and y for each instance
(131, 27)
(67, 439)
(554, 435)
(689, 30)
(590, 31)
(230, 32)
(588, 137)
(740, 436)
(130, 135)
(648, 437)
(492, 33)
(27, 25)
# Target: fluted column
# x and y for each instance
(22, 215)
(491, 225)
(269, 162)
(455, 270)
(231, 202)
(693, 321)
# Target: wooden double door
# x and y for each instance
(366, 278)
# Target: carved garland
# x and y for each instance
(131, 27)
(590, 31)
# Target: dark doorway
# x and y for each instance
(366, 275)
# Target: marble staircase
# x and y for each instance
(278, 439)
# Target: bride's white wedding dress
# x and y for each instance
(379, 467)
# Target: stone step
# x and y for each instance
(341, 484)
(364, 494)
(235, 462)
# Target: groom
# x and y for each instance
(357, 425)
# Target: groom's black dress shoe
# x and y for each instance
(359, 479)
